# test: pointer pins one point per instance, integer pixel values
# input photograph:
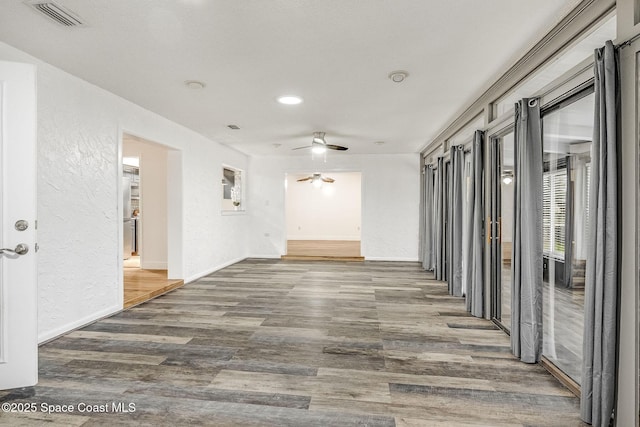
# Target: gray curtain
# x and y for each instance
(428, 256)
(455, 220)
(526, 268)
(438, 220)
(447, 215)
(467, 212)
(475, 272)
(602, 279)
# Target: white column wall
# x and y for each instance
(628, 393)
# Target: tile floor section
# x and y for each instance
(274, 343)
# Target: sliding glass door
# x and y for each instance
(500, 225)
(567, 133)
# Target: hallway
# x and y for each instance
(267, 342)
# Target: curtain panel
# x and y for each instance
(438, 220)
(602, 280)
(526, 268)
(475, 250)
(428, 256)
(455, 219)
(448, 187)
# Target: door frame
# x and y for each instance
(305, 171)
(175, 241)
(494, 221)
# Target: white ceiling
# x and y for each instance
(336, 54)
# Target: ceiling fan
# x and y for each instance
(320, 146)
(317, 179)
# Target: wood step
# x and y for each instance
(142, 285)
(322, 258)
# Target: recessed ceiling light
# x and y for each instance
(234, 127)
(290, 100)
(398, 76)
(379, 142)
(194, 84)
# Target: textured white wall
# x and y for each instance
(390, 200)
(79, 131)
(330, 212)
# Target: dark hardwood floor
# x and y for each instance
(273, 343)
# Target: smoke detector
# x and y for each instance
(194, 84)
(57, 13)
(398, 76)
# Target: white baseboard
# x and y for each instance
(270, 256)
(375, 258)
(320, 237)
(154, 265)
(195, 277)
(61, 330)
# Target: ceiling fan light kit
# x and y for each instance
(318, 149)
(320, 146)
(316, 179)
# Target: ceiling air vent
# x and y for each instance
(57, 13)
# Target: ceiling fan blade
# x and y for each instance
(301, 148)
(329, 180)
(336, 147)
(305, 179)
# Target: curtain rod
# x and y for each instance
(628, 42)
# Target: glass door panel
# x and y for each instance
(501, 226)
(506, 225)
(567, 133)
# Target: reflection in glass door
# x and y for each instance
(567, 133)
(501, 226)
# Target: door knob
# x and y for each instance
(21, 249)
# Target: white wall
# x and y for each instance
(330, 212)
(79, 132)
(629, 357)
(390, 199)
(153, 201)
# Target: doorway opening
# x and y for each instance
(324, 216)
(151, 222)
(502, 169)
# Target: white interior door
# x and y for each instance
(18, 303)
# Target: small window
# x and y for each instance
(554, 190)
(232, 189)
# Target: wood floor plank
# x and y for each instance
(275, 343)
